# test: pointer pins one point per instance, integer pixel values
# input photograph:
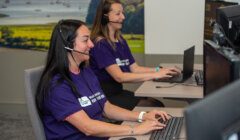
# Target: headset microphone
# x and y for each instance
(105, 20)
(115, 22)
(70, 49)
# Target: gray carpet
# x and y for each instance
(15, 127)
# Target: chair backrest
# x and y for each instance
(32, 77)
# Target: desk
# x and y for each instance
(178, 112)
(148, 88)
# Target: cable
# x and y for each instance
(177, 84)
(167, 86)
(193, 85)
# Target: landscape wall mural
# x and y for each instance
(27, 24)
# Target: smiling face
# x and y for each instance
(83, 44)
(116, 16)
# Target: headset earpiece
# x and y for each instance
(65, 42)
(105, 19)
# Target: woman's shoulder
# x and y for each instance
(58, 82)
(101, 43)
(100, 40)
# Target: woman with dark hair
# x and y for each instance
(69, 97)
(112, 60)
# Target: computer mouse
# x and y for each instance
(128, 138)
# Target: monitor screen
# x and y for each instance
(229, 19)
(221, 67)
(209, 118)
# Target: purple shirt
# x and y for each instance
(103, 55)
(61, 103)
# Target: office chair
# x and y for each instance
(32, 77)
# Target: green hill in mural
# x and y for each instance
(35, 37)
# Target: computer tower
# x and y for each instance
(221, 66)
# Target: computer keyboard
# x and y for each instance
(199, 77)
(170, 132)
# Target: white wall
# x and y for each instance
(173, 25)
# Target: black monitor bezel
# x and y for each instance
(209, 117)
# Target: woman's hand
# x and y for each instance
(164, 73)
(147, 126)
(154, 115)
(176, 70)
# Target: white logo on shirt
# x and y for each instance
(84, 101)
(122, 62)
(96, 97)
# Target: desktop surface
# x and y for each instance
(176, 112)
(188, 89)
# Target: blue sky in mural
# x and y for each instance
(41, 11)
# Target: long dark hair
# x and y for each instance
(100, 28)
(63, 35)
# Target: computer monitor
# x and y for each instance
(221, 66)
(229, 19)
(232, 132)
(210, 117)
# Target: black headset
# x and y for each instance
(65, 42)
(67, 45)
(105, 19)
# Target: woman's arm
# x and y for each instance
(123, 77)
(135, 68)
(91, 127)
(117, 113)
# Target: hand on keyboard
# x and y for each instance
(161, 120)
(151, 122)
(148, 126)
(165, 73)
(155, 114)
(168, 75)
(170, 132)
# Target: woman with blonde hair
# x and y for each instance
(112, 60)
